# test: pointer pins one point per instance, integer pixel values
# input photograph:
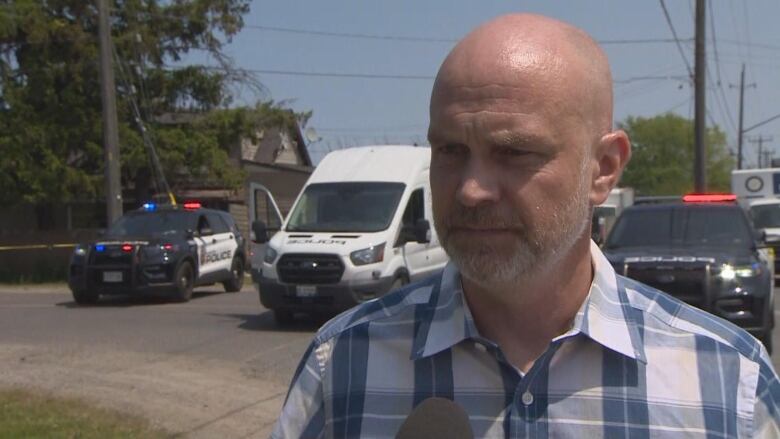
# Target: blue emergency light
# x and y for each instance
(100, 248)
(150, 207)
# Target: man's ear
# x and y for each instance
(610, 156)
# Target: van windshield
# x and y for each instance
(346, 207)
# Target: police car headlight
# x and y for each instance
(80, 250)
(369, 255)
(729, 272)
(270, 255)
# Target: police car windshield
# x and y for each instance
(346, 207)
(152, 223)
(766, 216)
(681, 226)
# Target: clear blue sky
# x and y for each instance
(350, 111)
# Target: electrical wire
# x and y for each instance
(676, 39)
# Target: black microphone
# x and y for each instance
(436, 418)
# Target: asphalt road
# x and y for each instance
(156, 359)
(217, 366)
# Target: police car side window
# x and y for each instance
(204, 228)
(218, 224)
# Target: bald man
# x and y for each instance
(528, 328)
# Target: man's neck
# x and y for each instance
(524, 316)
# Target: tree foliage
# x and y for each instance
(663, 156)
(50, 102)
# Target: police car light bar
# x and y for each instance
(709, 198)
(192, 205)
(150, 207)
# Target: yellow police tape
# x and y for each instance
(35, 246)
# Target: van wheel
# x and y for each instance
(184, 280)
(236, 280)
(398, 283)
(284, 317)
(85, 297)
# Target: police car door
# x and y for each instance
(224, 242)
(207, 243)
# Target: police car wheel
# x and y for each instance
(86, 297)
(236, 280)
(184, 280)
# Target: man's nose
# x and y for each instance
(478, 185)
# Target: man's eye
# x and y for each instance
(513, 152)
(452, 148)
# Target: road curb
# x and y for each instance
(55, 287)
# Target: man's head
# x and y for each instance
(522, 146)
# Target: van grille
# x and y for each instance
(310, 268)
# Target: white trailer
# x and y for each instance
(754, 184)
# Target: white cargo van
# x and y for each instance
(361, 227)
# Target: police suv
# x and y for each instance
(705, 252)
(166, 250)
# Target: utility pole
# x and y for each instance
(113, 183)
(740, 131)
(763, 156)
(700, 121)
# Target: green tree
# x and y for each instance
(50, 104)
(662, 159)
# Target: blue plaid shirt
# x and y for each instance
(637, 363)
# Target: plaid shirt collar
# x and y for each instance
(605, 316)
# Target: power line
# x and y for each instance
(723, 102)
(331, 74)
(676, 39)
(678, 105)
(714, 41)
(352, 35)
(424, 39)
(402, 76)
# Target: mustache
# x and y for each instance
(483, 218)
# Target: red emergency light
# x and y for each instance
(127, 248)
(192, 205)
(709, 198)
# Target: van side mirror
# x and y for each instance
(260, 232)
(189, 234)
(422, 231)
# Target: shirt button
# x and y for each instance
(527, 398)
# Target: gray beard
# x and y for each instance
(530, 255)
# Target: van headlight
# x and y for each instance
(729, 272)
(369, 255)
(270, 255)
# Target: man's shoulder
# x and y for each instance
(395, 305)
(677, 317)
